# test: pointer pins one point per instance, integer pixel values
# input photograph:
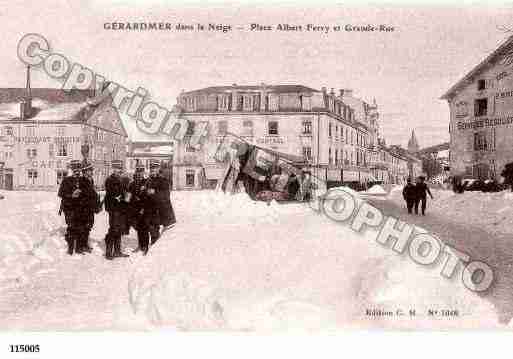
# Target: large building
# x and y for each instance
(481, 116)
(42, 130)
(318, 125)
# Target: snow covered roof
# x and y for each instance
(504, 49)
(47, 104)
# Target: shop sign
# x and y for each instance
(270, 140)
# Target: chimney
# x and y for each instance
(23, 108)
(323, 89)
(26, 103)
(341, 92)
(332, 93)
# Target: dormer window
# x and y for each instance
(481, 85)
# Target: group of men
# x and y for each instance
(142, 203)
(415, 194)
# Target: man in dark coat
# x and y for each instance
(91, 204)
(167, 214)
(71, 192)
(409, 193)
(145, 213)
(157, 189)
(116, 205)
(421, 190)
(507, 173)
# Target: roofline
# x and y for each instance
(477, 69)
(244, 88)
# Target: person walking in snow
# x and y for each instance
(409, 193)
(116, 206)
(421, 190)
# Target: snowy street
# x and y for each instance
(233, 264)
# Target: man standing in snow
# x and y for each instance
(141, 215)
(71, 194)
(116, 206)
(167, 214)
(90, 205)
(157, 188)
(507, 173)
(409, 193)
(421, 190)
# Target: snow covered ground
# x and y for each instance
(229, 264)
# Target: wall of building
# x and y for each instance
(480, 143)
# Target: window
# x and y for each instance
(247, 103)
(222, 127)
(352, 137)
(51, 150)
(62, 150)
(61, 131)
(8, 131)
(480, 141)
(481, 107)
(481, 85)
(329, 129)
(32, 176)
(30, 131)
(190, 129)
(189, 178)
(330, 159)
(347, 136)
(307, 153)
(273, 127)
(60, 175)
(189, 148)
(247, 128)
(307, 127)
(336, 131)
(31, 152)
(336, 157)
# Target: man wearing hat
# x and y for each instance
(116, 198)
(157, 191)
(91, 204)
(142, 208)
(71, 194)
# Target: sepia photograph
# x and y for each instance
(254, 168)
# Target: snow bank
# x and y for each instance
(376, 189)
(31, 235)
(301, 271)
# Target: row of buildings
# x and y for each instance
(337, 134)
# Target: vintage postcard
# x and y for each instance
(229, 167)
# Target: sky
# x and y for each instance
(406, 70)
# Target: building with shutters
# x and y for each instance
(293, 119)
(43, 129)
(481, 117)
